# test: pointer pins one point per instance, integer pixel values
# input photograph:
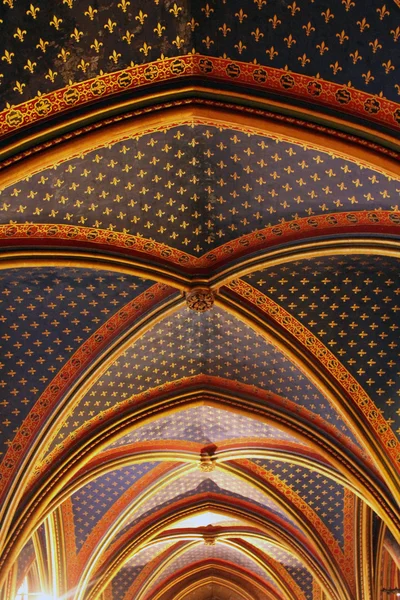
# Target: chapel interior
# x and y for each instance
(199, 299)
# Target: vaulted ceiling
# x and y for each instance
(200, 299)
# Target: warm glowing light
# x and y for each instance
(201, 520)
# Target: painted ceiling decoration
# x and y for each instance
(199, 300)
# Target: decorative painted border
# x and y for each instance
(325, 357)
(265, 78)
(345, 223)
(65, 377)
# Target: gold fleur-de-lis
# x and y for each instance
(395, 33)
(207, 10)
(382, 12)
(192, 24)
(308, 28)
(335, 67)
(91, 12)
(388, 66)
(145, 49)
(355, 56)
(115, 56)
(8, 56)
(289, 40)
(175, 10)
(241, 15)
(96, 45)
(20, 34)
(123, 5)
(128, 37)
(240, 47)
(63, 54)
(141, 17)
(51, 75)
(207, 41)
(257, 34)
(178, 42)
(363, 24)
(293, 8)
(348, 4)
(260, 3)
(375, 45)
(69, 3)
(30, 66)
(110, 25)
(19, 87)
(342, 37)
(303, 60)
(327, 14)
(224, 29)
(368, 77)
(33, 11)
(397, 86)
(83, 66)
(56, 22)
(76, 34)
(275, 22)
(42, 45)
(322, 47)
(9, 2)
(159, 29)
(271, 52)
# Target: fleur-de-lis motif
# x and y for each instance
(69, 3)
(110, 25)
(20, 34)
(123, 5)
(388, 66)
(96, 45)
(322, 47)
(240, 47)
(342, 37)
(241, 15)
(159, 29)
(271, 52)
(294, 8)
(327, 14)
(368, 77)
(224, 29)
(9, 2)
(308, 28)
(289, 40)
(30, 66)
(8, 56)
(363, 25)
(76, 34)
(141, 17)
(397, 86)
(175, 10)
(19, 87)
(33, 11)
(375, 45)
(395, 33)
(115, 56)
(91, 12)
(335, 67)
(192, 24)
(355, 56)
(83, 66)
(207, 41)
(145, 49)
(260, 3)
(257, 34)
(303, 60)
(128, 37)
(348, 4)
(63, 54)
(275, 22)
(383, 12)
(207, 10)
(51, 75)
(178, 42)
(56, 22)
